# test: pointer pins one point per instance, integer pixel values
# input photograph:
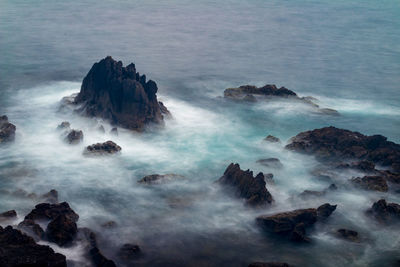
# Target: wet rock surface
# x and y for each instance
(121, 95)
(293, 224)
(332, 143)
(62, 230)
(160, 178)
(18, 249)
(74, 137)
(108, 147)
(385, 213)
(246, 186)
(272, 139)
(267, 90)
(348, 235)
(7, 130)
(374, 183)
(46, 211)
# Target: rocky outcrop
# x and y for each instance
(269, 264)
(331, 143)
(46, 211)
(62, 230)
(108, 147)
(7, 130)
(373, 183)
(74, 137)
(348, 235)
(293, 224)
(18, 249)
(272, 139)
(246, 186)
(271, 162)
(250, 90)
(159, 178)
(121, 95)
(384, 212)
(50, 197)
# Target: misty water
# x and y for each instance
(344, 53)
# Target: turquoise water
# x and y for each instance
(345, 53)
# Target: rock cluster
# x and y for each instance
(120, 95)
(7, 130)
(293, 224)
(247, 186)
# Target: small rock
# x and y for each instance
(74, 137)
(325, 210)
(269, 178)
(7, 130)
(99, 259)
(374, 183)
(384, 212)
(11, 214)
(109, 224)
(129, 252)
(46, 211)
(159, 178)
(271, 162)
(32, 228)
(50, 197)
(108, 147)
(348, 235)
(64, 126)
(272, 139)
(114, 131)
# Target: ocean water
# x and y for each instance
(344, 53)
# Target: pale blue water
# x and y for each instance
(345, 53)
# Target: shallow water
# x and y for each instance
(345, 54)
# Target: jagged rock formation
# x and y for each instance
(121, 95)
(246, 185)
(7, 130)
(108, 147)
(293, 224)
(18, 249)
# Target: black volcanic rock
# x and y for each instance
(246, 185)
(271, 162)
(62, 230)
(267, 90)
(18, 250)
(74, 137)
(293, 224)
(384, 212)
(32, 228)
(7, 130)
(46, 211)
(108, 147)
(121, 95)
(331, 143)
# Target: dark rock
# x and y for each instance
(31, 228)
(64, 125)
(7, 130)
(325, 210)
(164, 109)
(332, 143)
(159, 178)
(50, 197)
(119, 94)
(390, 176)
(114, 131)
(46, 211)
(246, 185)
(272, 139)
(269, 264)
(364, 165)
(374, 183)
(11, 214)
(385, 212)
(99, 260)
(129, 252)
(315, 194)
(293, 224)
(271, 162)
(74, 137)
(18, 250)
(269, 178)
(62, 230)
(108, 147)
(332, 187)
(348, 235)
(101, 129)
(267, 90)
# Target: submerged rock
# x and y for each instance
(364, 165)
(333, 143)
(272, 139)
(7, 130)
(348, 235)
(7, 215)
(271, 162)
(315, 194)
(247, 186)
(101, 129)
(159, 178)
(121, 95)
(374, 183)
(114, 131)
(74, 137)
(108, 147)
(129, 252)
(267, 90)
(50, 197)
(293, 224)
(385, 212)
(18, 249)
(269, 264)
(65, 125)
